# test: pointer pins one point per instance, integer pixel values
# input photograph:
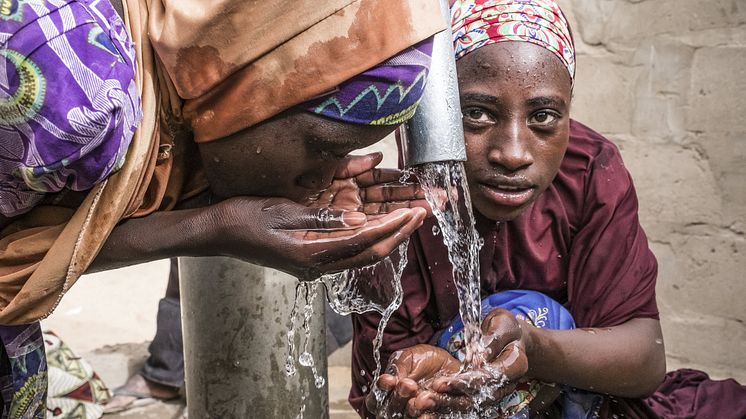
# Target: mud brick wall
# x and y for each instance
(666, 81)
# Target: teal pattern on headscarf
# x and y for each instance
(395, 94)
(387, 94)
(97, 37)
(11, 10)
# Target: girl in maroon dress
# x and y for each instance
(558, 213)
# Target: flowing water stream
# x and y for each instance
(447, 193)
(371, 288)
(456, 220)
(381, 290)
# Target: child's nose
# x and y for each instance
(511, 150)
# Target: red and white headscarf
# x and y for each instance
(476, 23)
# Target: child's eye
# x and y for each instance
(476, 115)
(542, 118)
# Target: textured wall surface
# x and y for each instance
(666, 81)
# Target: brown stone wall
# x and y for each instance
(666, 81)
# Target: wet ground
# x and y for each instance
(108, 319)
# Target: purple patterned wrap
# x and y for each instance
(69, 105)
(387, 94)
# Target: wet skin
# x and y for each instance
(515, 98)
(516, 124)
(287, 196)
(294, 155)
(423, 380)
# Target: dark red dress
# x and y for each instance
(580, 242)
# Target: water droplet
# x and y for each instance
(305, 359)
(320, 381)
(362, 373)
(365, 389)
(259, 150)
(659, 341)
(436, 230)
(290, 369)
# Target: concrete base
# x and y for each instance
(108, 319)
(115, 363)
(235, 322)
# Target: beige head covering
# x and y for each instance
(236, 65)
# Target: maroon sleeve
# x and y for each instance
(612, 272)
(688, 393)
(408, 326)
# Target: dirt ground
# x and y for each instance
(108, 318)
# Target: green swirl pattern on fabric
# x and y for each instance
(26, 402)
(29, 97)
(11, 10)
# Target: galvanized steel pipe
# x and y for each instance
(235, 317)
(436, 131)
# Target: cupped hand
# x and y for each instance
(306, 241)
(505, 339)
(408, 373)
(359, 186)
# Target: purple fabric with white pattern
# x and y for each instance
(387, 94)
(69, 105)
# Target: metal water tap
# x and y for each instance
(436, 133)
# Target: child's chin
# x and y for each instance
(501, 214)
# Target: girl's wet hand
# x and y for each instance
(504, 339)
(359, 186)
(406, 378)
(306, 241)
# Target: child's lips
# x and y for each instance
(510, 195)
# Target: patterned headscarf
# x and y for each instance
(387, 94)
(68, 101)
(476, 23)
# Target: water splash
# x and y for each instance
(302, 408)
(375, 287)
(456, 220)
(290, 368)
(305, 359)
(372, 288)
(381, 291)
(447, 193)
(306, 292)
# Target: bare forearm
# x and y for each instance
(158, 236)
(273, 232)
(626, 360)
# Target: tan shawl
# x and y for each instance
(225, 67)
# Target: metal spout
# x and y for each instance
(435, 132)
